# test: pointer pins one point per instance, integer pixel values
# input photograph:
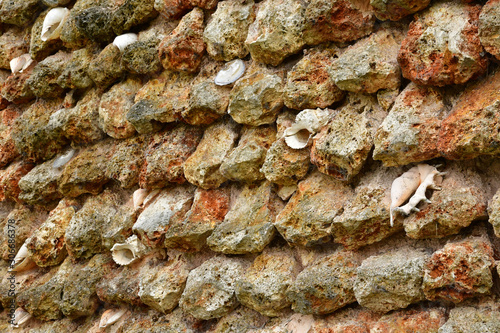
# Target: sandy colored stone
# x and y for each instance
(245, 161)
(207, 103)
(370, 64)
(166, 154)
(47, 244)
(306, 219)
(202, 167)
(207, 211)
(395, 10)
(390, 281)
(276, 32)
(10, 177)
(210, 288)
(162, 282)
(473, 126)
(227, 29)
(120, 286)
(463, 199)
(8, 151)
(13, 43)
(183, 49)
(470, 319)
(326, 285)
(114, 106)
(410, 131)
(489, 27)
(494, 213)
(417, 320)
(442, 46)
(127, 160)
(19, 12)
(248, 225)
(341, 148)
(337, 21)
(256, 99)
(309, 84)
(241, 320)
(75, 73)
(459, 271)
(170, 206)
(106, 67)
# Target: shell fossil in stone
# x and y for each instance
(414, 181)
(53, 22)
(111, 316)
(63, 159)
(306, 124)
(125, 253)
(22, 261)
(231, 72)
(124, 40)
(20, 63)
(21, 316)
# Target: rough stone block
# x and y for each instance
(489, 27)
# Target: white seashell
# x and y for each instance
(20, 63)
(124, 40)
(139, 196)
(111, 316)
(125, 253)
(21, 261)
(53, 22)
(20, 317)
(306, 124)
(63, 159)
(231, 72)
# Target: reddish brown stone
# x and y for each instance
(459, 271)
(183, 49)
(9, 180)
(8, 151)
(422, 321)
(15, 88)
(174, 9)
(354, 320)
(442, 46)
(473, 126)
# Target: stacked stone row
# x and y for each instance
(241, 232)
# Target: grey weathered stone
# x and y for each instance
(248, 226)
(131, 13)
(207, 103)
(142, 57)
(106, 67)
(43, 80)
(473, 320)
(209, 291)
(95, 23)
(241, 320)
(127, 160)
(263, 286)
(19, 12)
(391, 281)
(395, 10)
(74, 74)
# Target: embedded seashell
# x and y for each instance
(124, 40)
(306, 124)
(20, 317)
(63, 159)
(139, 196)
(231, 72)
(21, 261)
(111, 316)
(20, 63)
(53, 22)
(125, 253)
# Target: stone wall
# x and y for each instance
(342, 175)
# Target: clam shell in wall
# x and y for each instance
(124, 40)
(21, 316)
(231, 72)
(111, 316)
(61, 160)
(306, 124)
(138, 197)
(126, 253)
(22, 261)
(20, 63)
(53, 22)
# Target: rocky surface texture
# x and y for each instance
(174, 183)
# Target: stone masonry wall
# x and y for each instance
(306, 166)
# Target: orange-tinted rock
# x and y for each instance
(409, 133)
(422, 321)
(15, 88)
(309, 84)
(183, 49)
(442, 46)
(459, 271)
(9, 180)
(166, 154)
(207, 211)
(13, 43)
(337, 21)
(395, 10)
(174, 9)
(352, 320)
(8, 151)
(473, 126)
(489, 27)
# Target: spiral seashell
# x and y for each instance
(125, 253)
(53, 22)
(22, 261)
(20, 63)
(124, 40)
(231, 72)
(63, 159)
(111, 316)
(20, 317)
(307, 123)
